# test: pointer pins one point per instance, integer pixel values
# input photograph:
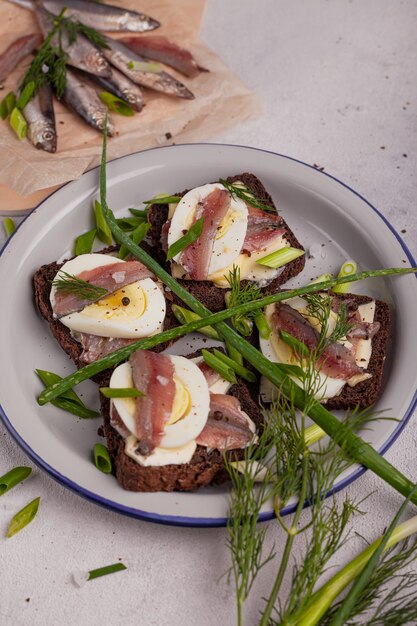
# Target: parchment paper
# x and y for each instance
(221, 101)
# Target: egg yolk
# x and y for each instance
(128, 302)
(226, 223)
(182, 401)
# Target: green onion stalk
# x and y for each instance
(354, 446)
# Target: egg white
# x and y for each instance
(228, 245)
(124, 322)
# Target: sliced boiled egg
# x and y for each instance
(231, 232)
(191, 403)
(134, 311)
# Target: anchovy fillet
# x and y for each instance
(17, 51)
(159, 48)
(120, 56)
(40, 117)
(85, 102)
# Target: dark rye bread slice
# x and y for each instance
(42, 289)
(205, 468)
(210, 295)
(366, 393)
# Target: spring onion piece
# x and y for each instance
(321, 278)
(192, 235)
(324, 597)
(23, 517)
(137, 235)
(18, 123)
(348, 269)
(262, 325)
(298, 346)
(240, 370)
(27, 93)
(116, 104)
(281, 257)
(102, 458)
(219, 366)
(234, 354)
(9, 226)
(139, 213)
(84, 243)
(7, 105)
(185, 316)
(145, 66)
(312, 434)
(103, 231)
(13, 478)
(289, 370)
(355, 447)
(68, 400)
(121, 392)
(162, 199)
(360, 583)
(199, 322)
(103, 571)
(129, 223)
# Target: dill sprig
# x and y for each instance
(319, 306)
(241, 294)
(243, 193)
(68, 283)
(49, 63)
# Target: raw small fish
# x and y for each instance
(263, 228)
(227, 426)
(40, 117)
(110, 277)
(80, 53)
(85, 102)
(159, 48)
(17, 51)
(120, 56)
(195, 258)
(122, 87)
(102, 16)
(153, 374)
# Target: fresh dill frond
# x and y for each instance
(75, 28)
(319, 306)
(67, 283)
(241, 294)
(244, 194)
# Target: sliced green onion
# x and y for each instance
(139, 213)
(162, 199)
(145, 66)
(321, 278)
(262, 325)
(23, 517)
(27, 93)
(102, 459)
(234, 354)
(312, 434)
(348, 269)
(185, 316)
(121, 392)
(7, 105)
(298, 346)
(136, 236)
(129, 223)
(289, 370)
(18, 123)
(68, 400)
(103, 571)
(192, 235)
(13, 478)
(240, 370)
(219, 366)
(103, 230)
(84, 243)
(9, 226)
(116, 104)
(281, 257)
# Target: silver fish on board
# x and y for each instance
(17, 51)
(120, 85)
(80, 53)
(120, 56)
(82, 99)
(40, 117)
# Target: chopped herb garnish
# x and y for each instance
(103, 231)
(348, 269)
(243, 193)
(161, 199)
(68, 283)
(219, 366)
(84, 243)
(280, 257)
(116, 104)
(103, 571)
(18, 123)
(7, 105)
(145, 66)
(102, 459)
(136, 236)
(192, 235)
(9, 226)
(121, 392)
(13, 478)
(23, 517)
(68, 400)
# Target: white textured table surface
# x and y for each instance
(339, 89)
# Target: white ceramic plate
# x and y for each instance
(320, 209)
